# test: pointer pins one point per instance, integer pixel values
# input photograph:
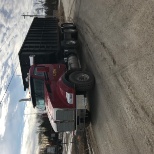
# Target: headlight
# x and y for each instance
(69, 97)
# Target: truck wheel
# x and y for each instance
(82, 80)
(73, 33)
(68, 25)
(69, 44)
(70, 31)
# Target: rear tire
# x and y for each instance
(72, 32)
(82, 80)
(68, 26)
(69, 44)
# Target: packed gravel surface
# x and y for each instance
(116, 44)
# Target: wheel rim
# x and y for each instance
(82, 77)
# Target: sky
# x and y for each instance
(17, 120)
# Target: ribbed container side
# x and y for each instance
(42, 40)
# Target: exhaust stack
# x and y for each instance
(31, 58)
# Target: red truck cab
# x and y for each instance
(66, 110)
(49, 92)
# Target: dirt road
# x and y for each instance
(117, 39)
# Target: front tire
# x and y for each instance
(82, 80)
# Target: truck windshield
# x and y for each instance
(39, 93)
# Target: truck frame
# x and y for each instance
(51, 70)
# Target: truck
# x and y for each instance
(52, 72)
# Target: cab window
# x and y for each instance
(38, 73)
(39, 93)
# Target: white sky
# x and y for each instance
(29, 138)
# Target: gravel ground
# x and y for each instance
(118, 42)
